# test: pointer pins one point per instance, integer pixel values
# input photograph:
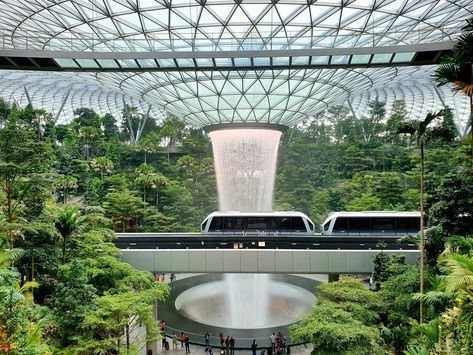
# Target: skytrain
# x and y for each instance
(371, 223)
(336, 224)
(258, 223)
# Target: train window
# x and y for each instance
(298, 224)
(408, 223)
(273, 223)
(216, 224)
(257, 223)
(359, 224)
(327, 226)
(382, 223)
(311, 225)
(284, 224)
(341, 224)
(229, 223)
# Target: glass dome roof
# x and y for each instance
(281, 95)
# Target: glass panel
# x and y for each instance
(300, 60)
(216, 224)
(403, 57)
(381, 58)
(284, 224)
(261, 61)
(280, 60)
(107, 63)
(407, 224)
(242, 62)
(224, 62)
(87, 63)
(128, 63)
(166, 63)
(339, 59)
(257, 223)
(359, 224)
(298, 224)
(382, 223)
(319, 60)
(185, 62)
(341, 224)
(147, 63)
(204, 62)
(66, 63)
(360, 59)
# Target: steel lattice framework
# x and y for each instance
(283, 94)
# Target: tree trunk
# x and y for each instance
(471, 127)
(145, 156)
(63, 249)
(65, 195)
(157, 196)
(127, 328)
(123, 226)
(421, 244)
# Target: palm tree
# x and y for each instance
(458, 70)
(67, 223)
(66, 182)
(158, 181)
(420, 133)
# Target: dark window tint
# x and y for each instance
(327, 226)
(341, 224)
(382, 223)
(359, 223)
(298, 224)
(284, 224)
(229, 223)
(408, 223)
(216, 224)
(257, 223)
(311, 225)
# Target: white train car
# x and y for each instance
(258, 222)
(371, 223)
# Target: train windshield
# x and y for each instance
(375, 224)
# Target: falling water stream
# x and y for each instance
(245, 166)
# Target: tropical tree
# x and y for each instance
(421, 133)
(65, 183)
(66, 225)
(102, 165)
(457, 70)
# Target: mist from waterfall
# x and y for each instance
(245, 166)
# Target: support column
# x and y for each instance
(333, 277)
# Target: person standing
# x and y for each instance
(181, 339)
(272, 339)
(186, 341)
(222, 341)
(232, 346)
(174, 341)
(254, 347)
(227, 345)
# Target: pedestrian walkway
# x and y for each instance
(200, 349)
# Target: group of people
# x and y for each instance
(162, 277)
(278, 344)
(227, 345)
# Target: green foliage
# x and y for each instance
(342, 321)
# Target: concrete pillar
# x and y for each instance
(153, 345)
(333, 277)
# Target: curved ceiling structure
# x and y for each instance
(283, 95)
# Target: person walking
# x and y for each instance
(186, 341)
(207, 341)
(272, 339)
(254, 347)
(232, 346)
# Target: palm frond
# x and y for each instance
(469, 25)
